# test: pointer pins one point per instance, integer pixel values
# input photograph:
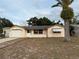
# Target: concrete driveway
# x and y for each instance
(6, 39)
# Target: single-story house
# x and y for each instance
(35, 31)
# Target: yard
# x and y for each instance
(42, 48)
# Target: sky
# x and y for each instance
(18, 11)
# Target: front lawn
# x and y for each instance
(50, 48)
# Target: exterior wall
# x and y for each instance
(14, 32)
(51, 34)
(46, 33)
(6, 30)
(30, 35)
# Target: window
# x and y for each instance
(28, 31)
(35, 31)
(38, 31)
(56, 30)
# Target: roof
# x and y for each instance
(75, 25)
(35, 27)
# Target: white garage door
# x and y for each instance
(16, 33)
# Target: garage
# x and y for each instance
(17, 32)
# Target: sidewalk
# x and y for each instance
(6, 39)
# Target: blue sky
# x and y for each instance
(18, 11)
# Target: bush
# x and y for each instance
(72, 32)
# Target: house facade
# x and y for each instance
(36, 31)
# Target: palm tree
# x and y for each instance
(66, 14)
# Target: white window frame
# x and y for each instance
(56, 30)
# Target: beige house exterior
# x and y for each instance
(36, 31)
(56, 31)
(16, 31)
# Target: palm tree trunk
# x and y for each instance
(67, 31)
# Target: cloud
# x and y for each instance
(17, 10)
(21, 10)
(75, 7)
(2, 10)
(52, 14)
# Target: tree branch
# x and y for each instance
(56, 5)
(71, 1)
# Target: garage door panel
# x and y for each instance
(16, 33)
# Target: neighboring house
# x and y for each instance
(76, 29)
(36, 31)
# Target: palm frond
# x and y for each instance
(71, 1)
(58, 0)
(56, 5)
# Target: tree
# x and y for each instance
(58, 22)
(5, 23)
(53, 22)
(44, 21)
(32, 21)
(39, 22)
(1, 30)
(66, 14)
(72, 32)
